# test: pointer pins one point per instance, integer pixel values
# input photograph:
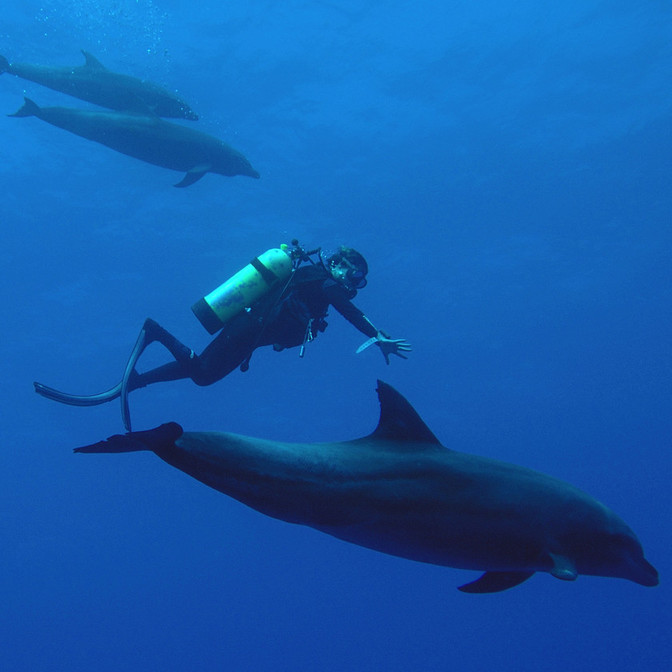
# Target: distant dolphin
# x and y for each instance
(401, 492)
(96, 84)
(148, 138)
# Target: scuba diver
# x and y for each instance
(280, 298)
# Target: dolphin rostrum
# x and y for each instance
(148, 138)
(96, 84)
(401, 492)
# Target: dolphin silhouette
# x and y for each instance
(96, 84)
(401, 492)
(148, 138)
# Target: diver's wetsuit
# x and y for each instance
(297, 316)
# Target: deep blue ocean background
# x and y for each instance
(505, 168)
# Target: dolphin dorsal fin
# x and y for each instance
(399, 421)
(92, 61)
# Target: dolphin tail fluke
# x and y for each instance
(4, 65)
(495, 582)
(29, 109)
(151, 439)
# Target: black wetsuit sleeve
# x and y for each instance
(338, 298)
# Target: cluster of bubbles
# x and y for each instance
(120, 25)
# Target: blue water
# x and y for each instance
(505, 169)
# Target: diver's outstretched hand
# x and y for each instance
(392, 346)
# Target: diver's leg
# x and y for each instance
(224, 353)
(227, 351)
(161, 374)
(151, 332)
(154, 332)
(177, 370)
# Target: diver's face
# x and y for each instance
(341, 270)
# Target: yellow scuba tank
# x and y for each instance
(243, 289)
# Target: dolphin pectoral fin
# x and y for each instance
(193, 175)
(563, 568)
(495, 582)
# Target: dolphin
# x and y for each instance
(148, 138)
(96, 84)
(401, 492)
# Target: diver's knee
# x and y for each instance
(203, 378)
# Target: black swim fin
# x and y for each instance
(139, 347)
(78, 399)
(119, 390)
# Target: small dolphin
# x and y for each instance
(401, 492)
(148, 138)
(96, 84)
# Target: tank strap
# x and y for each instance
(307, 338)
(267, 274)
(245, 365)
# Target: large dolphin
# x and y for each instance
(96, 84)
(148, 138)
(401, 492)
